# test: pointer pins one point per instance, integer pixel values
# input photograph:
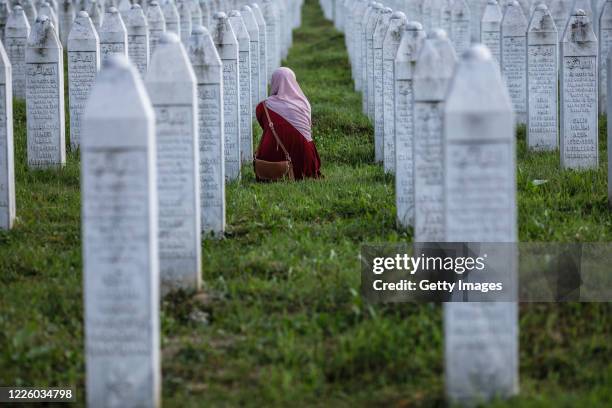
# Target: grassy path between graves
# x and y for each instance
(280, 321)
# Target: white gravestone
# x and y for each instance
(124, 7)
(7, 148)
(113, 35)
(184, 11)
(83, 67)
(47, 10)
(45, 97)
(16, 38)
(560, 11)
(397, 25)
(171, 85)
(227, 46)
(406, 57)
(514, 58)
(30, 11)
(120, 246)
(432, 74)
(65, 15)
(171, 15)
(579, 126)
(355, 33)
(270, 14)
(480, 339)
(96, 15)
(196, 13)
(371, 13)
(206, 9)
(490, 29)
(605, 43)
(460, 26)
(542, 77)
(5, 11)
(251, 24)
(138, 39)
(209, 74)
(378, 39)
(263, 52)
(157, 25)
(244, 79)
(371, 27)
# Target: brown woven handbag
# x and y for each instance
(273, 171)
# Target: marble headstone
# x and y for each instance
(171, 15)
(370, 29)
(65, 15)
(45, 97)
(407, 53)
(378, 39)
(206, 9)
(184, 11)
(47, 10)
(460, 26)
(96, 14)
(542, 78)
(432, 74)
(120, 244)
(252, 28)
(83, 67)
(605, 43)
(157, 25)
(560, 11)
(227, 47)
(270, 14)
(171, 86)
(5, 11)
(30, 11)
(244, 79)
(196, 12)
(113, 35)
(513, 57)
(579, 114)
(124, 7)
(209, 75)
(490, 29)
(371, 13)
(263, 51)
(7, 148)
(16, 38)
(397, 25)
(138, 39)
(480, 338)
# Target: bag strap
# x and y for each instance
(278, 141)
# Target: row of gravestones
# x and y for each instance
(446, 130)
(152, 175)
(245, 39)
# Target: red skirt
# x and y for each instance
(303, 153)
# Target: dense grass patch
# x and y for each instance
(280, 321)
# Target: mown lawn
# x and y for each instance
(281, 321)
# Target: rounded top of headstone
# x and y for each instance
(220, 15)
(414, 26)
(541, 7)
(514, 3)
(387, 10)
(377, 6)
(398, 14)
(580, 13)
(112, 10)
(199, 30)
(82, 14)
(18, 8)
(170, 38)
(136, 6)
(437, 34)
(234, 13)
(245, 8)
(477, 52)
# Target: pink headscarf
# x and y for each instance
(288, 100)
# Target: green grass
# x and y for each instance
(280, 321)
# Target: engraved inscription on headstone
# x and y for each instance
(378, 38)
(45, 97)
(490, 29)
(460, 26)
(83, 66)
(184, 12)
(263, 52)
(157, 25)
(270, 14)
(16, 38)
(209, 74)
(120, 244)
(542, 77)
(138, 39)
(251, 24)
(171, 15)
(579, 119)
(513, 57)
(113, 35)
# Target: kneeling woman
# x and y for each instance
(287, 112)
